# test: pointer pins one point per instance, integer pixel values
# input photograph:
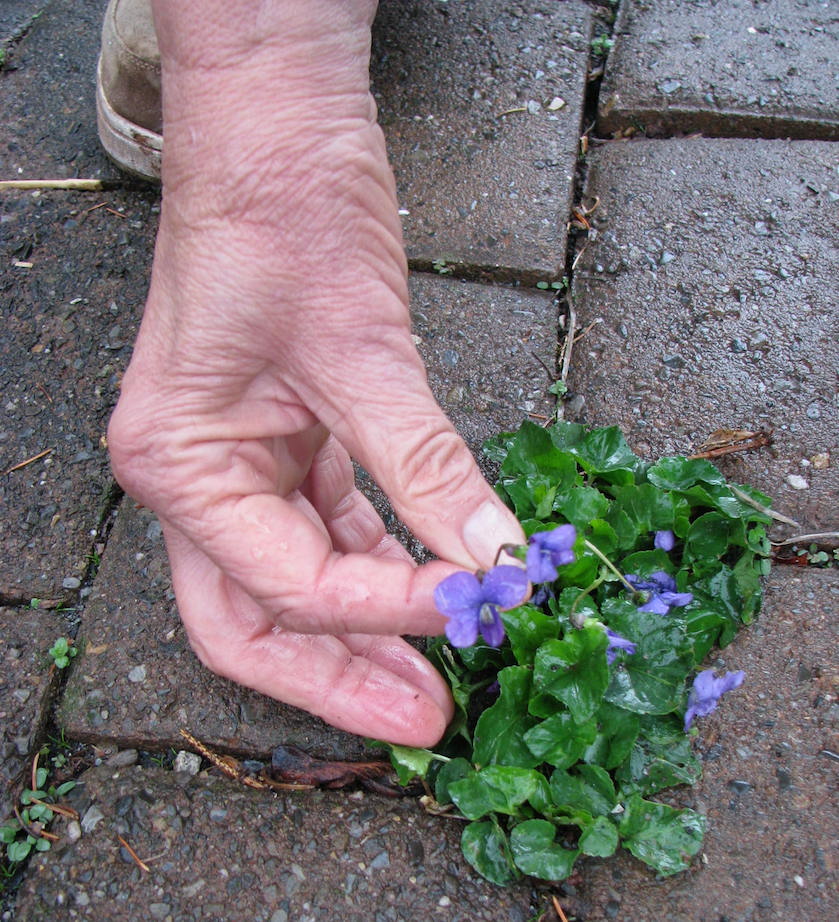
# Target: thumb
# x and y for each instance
(415, 455)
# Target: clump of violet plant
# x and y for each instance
(577, 673)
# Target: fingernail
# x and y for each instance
(490, 526)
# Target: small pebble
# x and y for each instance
(821, 461)
(71, 582)
(123, 758)
(137, 674)
(74, 831)
(799, 880)
(91, 818)
(813, 411)
(189, 762)
(797, 482)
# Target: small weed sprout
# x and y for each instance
(26, 831)
(62, 651)
(601, 45)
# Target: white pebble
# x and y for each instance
(797, 482)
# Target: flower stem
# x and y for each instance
(587, 591)
(598, 553)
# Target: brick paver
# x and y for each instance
(763, 69)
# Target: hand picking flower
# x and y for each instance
(472, 604)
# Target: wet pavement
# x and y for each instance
(703, 298)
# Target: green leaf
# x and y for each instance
(42, 845)
(532, 451)
(663, 837)
(646, 507)
(499, 732)
(600, 839)
(8, 833)
(494, 789)
(683, 473)
(617, 730)
(645, 563)
(579, 505)
(721, 594)
(536, 853)
(65, 788)
(567, 436)
(60, 647)
(410, 762)
(574, 670)
(747, 579)
(559, 740)
(589, 789)
(528, 627)
(485, 847)
(41, 775)
(602, 450)
(708, 537)
(449, 773)
(40, 812)
(704, 620)
(19, 850)
(603, 536)
(652, 680)
(660, 758)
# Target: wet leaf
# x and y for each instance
(663, 837)
(485, 847)
(536, 852)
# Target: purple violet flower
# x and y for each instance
(473, 605)
(661, 589)
(616, 642)
(548, 550)
(664, 540)
(707, 690)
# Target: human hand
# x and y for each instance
(275, 345)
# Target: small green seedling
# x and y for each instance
(62, 651)
(602, 45)
(26, 831)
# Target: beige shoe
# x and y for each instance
(128, 89)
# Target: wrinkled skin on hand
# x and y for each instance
(275, 346)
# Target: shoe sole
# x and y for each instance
(134, 149)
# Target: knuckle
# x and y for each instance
(439, 465)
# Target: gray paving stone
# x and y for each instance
(218, 850)
(26, 686)
(714, 272)
(137, 683)
(769, 781)
(16, 16)
(49, 106)
(69, 314)
(737, 69)
(481, 187)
